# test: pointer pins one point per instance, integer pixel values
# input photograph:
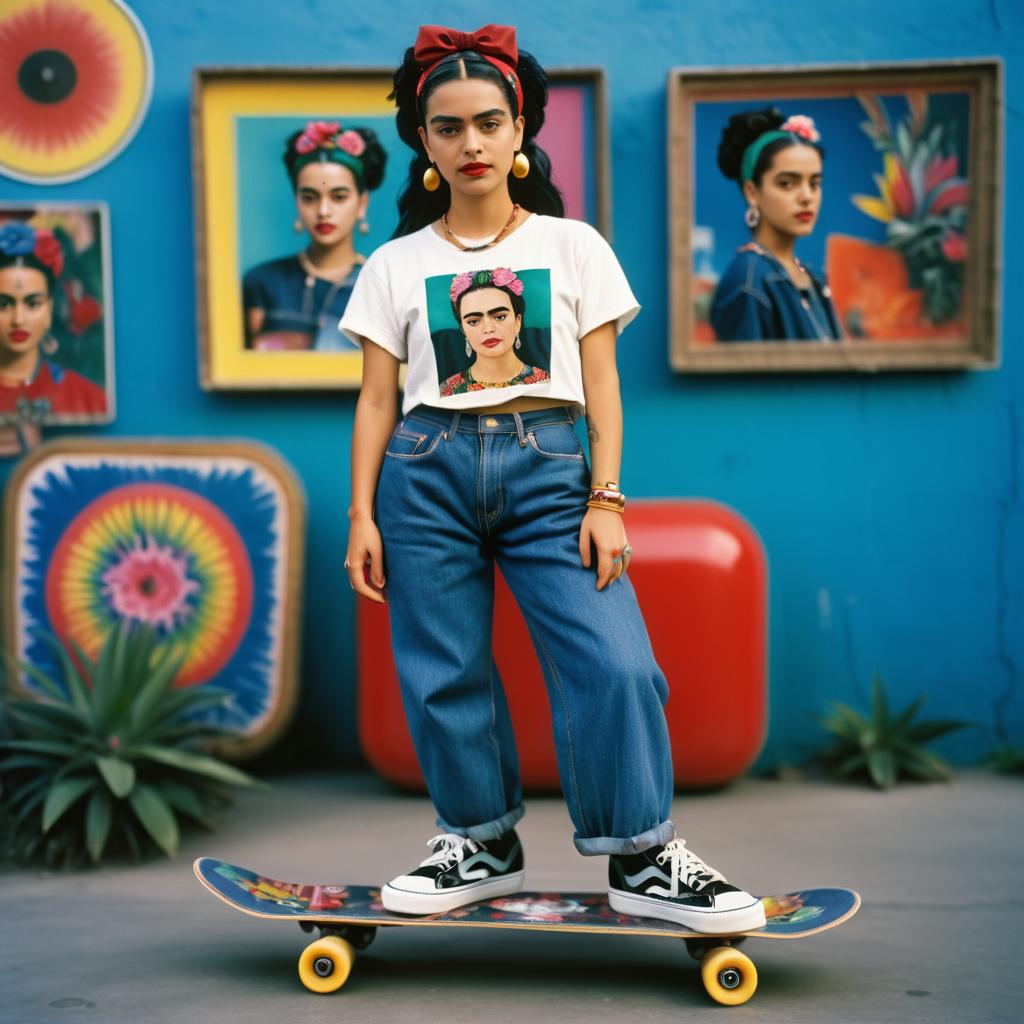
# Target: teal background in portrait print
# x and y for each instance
(890, 504)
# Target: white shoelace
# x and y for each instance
(452, 851)
(687, 867)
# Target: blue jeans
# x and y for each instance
(456, 494)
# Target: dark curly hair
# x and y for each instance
(743, 129)
(373, 159)
(536, 192)
(28, 260)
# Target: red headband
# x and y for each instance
(495, 43)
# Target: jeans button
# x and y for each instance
(490, 423)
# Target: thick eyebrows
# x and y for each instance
(796, 175)
(490, 312)
(446, 119)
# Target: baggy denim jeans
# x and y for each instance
(458, 493)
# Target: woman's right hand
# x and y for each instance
(365, 550)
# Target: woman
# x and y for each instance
(491, 325)
(471, 479)
(32, 387)
(295, 302)
(766, 293)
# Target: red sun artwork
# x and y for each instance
(76, 77)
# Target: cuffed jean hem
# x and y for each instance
(488, 830)
(606, 845)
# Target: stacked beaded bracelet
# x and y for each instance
(607, 496)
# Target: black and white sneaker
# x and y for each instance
(459, 871)
(673, 884)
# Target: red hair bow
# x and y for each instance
(495, 43)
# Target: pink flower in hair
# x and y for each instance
(502, 277)
(321, 131)
(304, 144)
(459, 285)
(802, 125)
(351, 142)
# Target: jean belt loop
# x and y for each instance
(520, 431)
(453, 426)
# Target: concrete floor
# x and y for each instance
(938, 867)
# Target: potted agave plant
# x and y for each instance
(109, 759)
(883, 747)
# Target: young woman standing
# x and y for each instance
(497, 475)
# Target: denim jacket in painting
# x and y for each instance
(756, 300)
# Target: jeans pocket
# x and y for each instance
(413, 440)
(556, 441)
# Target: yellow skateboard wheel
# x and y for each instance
(325, 964)
(729, 976)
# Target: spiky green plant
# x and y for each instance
(110, 757)
(882, 746)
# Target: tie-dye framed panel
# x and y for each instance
(201, 541)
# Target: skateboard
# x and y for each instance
(348, 916)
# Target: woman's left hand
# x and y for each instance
(605, 530)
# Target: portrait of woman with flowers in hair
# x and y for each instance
(34, 386)
(488, 306)
(296, 301)
(766, 293)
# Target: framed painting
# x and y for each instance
(841, 217)
(201, 541)
(267, 317)
(56, 314)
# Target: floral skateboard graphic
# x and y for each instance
(348, 916)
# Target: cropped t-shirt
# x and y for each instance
(480, 328)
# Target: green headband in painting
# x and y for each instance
(325, 141)
(334, 156)
(798, 128)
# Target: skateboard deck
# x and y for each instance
(349, 915)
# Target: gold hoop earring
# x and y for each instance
(298, 227)
(521, 165)
(431, 179)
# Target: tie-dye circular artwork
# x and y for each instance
(202, 543)
(76, 78)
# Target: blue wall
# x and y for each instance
(890, 506)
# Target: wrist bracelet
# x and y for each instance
(600, 494)
(610, 506)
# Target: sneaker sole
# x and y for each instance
(707, 922)
(404, 901)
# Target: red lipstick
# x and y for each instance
(806, 216)
(324, 228)
(474, 170)
(19, 335)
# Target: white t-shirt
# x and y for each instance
(522, 306)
